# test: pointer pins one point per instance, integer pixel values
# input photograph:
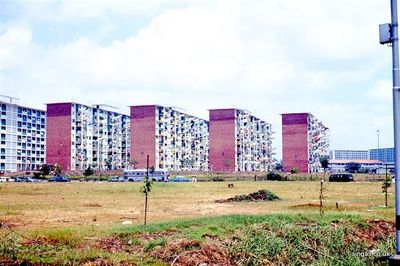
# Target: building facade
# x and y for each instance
(340, 165)
(80, 136)
(172, 139)
(304, 140)
(239, 141)
(385, 155)
(22, 138)
(349, 155)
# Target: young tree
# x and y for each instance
(322, 189)
(57, 169)
(146, 188)
(45, 169)
(294, 170)
(387, 183)
(324, 161)
(88, 171)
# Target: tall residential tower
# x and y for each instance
(239, 141)
(79, 136)
(172, 139)
(304, 140)
(22, 137)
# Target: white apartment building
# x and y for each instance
(22, 137)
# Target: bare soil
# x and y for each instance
(261, 195)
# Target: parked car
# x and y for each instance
(341, 177)
(59, 178)
(6, 179)
(116, 179)
(180, 178)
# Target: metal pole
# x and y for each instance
(145, 202)
(396, 118)
(377, 157)
(386, 192)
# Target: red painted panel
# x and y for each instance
(222, 140)
(295, 142)
(143, 135)
(58, 131)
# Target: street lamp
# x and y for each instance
(388, 33)
(377, 157)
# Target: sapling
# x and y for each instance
(146, 189)
(322, 189)
(387, 183)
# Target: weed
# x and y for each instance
(157, 242)
(60, 236)
(9, 244)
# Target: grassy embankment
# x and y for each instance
(81, 222)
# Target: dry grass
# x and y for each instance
(32, 206)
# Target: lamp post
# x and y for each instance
(388, 33)
(377, 156)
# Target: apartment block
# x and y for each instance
(22, 137)
(79, 136)
(349, 155)
(172, 139)
(239, 141)
(304, 140)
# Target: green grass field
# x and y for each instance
(80, 223)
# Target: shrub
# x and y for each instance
(36, 174)
(294, 170)
(88, 172)
(274, 176)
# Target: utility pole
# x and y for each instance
(388, 33)
(378, 157)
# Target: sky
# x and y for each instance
(265, 56)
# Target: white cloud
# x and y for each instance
(268, 57)
(382, 91)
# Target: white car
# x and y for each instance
(6, 179)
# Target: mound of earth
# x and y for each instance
(261, 195)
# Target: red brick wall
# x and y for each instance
(143, 135)
(295, 142)
(222, 140)
(58, 135)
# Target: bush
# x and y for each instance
(88, 172)
(274, 176)
(294, 170)
(217, 179)
(45, 169)
(37, 174)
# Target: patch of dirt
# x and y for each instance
(42, 241)
(211, 237)
(10, 262)
(191, 252)
(102, 262)
(110, 244)
(209, 254)
(156, 235)
(376, 230)
(261, 195)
